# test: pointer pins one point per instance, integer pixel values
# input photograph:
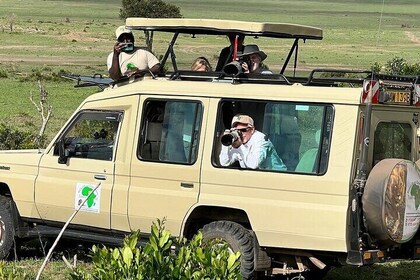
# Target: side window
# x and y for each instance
(92, 135)
(287, 137)
(392, 140)
(169, 131)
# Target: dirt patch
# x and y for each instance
(413, 38)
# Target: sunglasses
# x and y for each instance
(243, 129)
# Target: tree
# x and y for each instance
(149, 9)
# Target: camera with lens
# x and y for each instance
(235, 67)
(230, 136)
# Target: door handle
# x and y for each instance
(100, 177)
(187, 185)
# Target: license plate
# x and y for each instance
(401, 97)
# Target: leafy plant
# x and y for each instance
(13, 138)
(164, 257)
(11, 273)
(397, 66)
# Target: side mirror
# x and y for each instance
(63, 153)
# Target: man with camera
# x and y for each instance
(246, 145)
(128, 60)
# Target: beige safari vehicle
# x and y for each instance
(349, 140)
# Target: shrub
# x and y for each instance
(3, 74)
(149, 8)
(14, 138)
(163, 257)
(397, 66)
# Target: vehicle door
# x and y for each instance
(165, 170)
(89, 142)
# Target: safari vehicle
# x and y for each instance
(349, 139)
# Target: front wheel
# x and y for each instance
(6, 227)
(239, 239)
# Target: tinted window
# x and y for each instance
(170, 131)
(299, 134)
(392, 140)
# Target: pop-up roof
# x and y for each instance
(222, 27)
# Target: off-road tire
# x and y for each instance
(238, 239)
(6, 227)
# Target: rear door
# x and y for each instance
(165, 171)
(394, 135)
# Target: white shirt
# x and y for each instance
(141, 59)
(256, 153)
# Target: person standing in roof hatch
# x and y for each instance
(128, 60)
(226, 54)
(252, 58)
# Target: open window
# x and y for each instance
(299, 133)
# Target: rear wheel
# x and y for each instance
(6, 227)
(239, 239)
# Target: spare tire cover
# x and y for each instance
(391, 200)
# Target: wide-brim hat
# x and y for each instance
(122, 30)
(251, 49)
(244, 119)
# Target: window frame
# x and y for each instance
(198, 122)
(119, 118)
(324, 146)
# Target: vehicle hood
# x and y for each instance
(10, 158)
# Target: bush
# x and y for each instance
(163, 257)
(13, 138)
(149, 8)
(397, 66)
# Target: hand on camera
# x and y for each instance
(245, 67)
(118, 47)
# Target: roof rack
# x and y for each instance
(325, 77)
(220, 76)
(88, 81)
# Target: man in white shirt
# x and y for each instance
(251, 148)
(128, 60)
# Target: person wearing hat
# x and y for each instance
(128, 60)
(252, 58)
(251, 149)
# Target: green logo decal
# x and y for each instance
(415, 192)
(85, 192)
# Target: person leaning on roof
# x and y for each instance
(251, 149)
(252, 58)
(226, 54)
(201, 64)
(126, 59)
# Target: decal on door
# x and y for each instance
(92, 200)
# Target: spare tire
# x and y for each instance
(391, 201)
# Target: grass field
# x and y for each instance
(76, 36)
